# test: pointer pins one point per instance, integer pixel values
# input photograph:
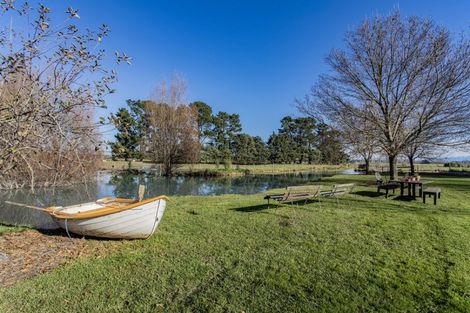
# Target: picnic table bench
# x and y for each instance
(432, 191)
(387, 187)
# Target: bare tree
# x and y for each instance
(51, 79)
(172, 135)
(419, 149)
(359, 136)
(405, 76)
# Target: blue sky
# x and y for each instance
(247, 57)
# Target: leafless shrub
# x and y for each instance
(51, 79)
(172, 134)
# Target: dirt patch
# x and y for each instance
(29, 253)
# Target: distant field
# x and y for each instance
(280, 168)
(422, 168)
(266, 168)
(254, 169)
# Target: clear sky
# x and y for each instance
(247, 57)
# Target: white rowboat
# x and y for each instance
(110, 217)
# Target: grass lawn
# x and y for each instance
(231, 254)
(10, 229)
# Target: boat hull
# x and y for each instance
(134, 223)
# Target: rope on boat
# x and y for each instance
(156, 218)
(67, 229)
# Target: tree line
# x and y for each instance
(220, 139)
(298, 140)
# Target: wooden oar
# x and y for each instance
(27, 206)
(141, 192)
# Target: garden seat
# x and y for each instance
(296, 193)
(387, 186)
(432, 191)
(339, 190)
(378, 178)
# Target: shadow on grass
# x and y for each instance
(405, 198)
(370, 194)
(256, 208)
(262, 207)
(405, 205)
(303, 202)
(57, 232)
(62, 233)
(375, 194)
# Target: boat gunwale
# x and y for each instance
(106, 210)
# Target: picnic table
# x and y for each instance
(411, 186)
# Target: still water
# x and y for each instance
(125, 185)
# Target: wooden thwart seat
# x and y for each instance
(432, 191)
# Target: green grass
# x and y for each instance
(281, 168)
(10, 229)
(231, 254)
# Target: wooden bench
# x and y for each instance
(296, 193)
(387, 186)
(432, 191)
(378, 178)
(339, 190)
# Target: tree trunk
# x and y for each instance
(167, 167)
(392, 163)
(367, 164)
(412, 164)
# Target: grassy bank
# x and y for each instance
(252, 169)
(435, 168)
(266, 168)
(232, 253)
(10, 229)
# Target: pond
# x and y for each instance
(125, 185)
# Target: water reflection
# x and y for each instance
(125, 185)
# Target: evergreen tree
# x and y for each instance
(137, 111)
(302, 139)
(300, 132)
(261, 155)
(131, 126)
(281, 149)
(243, 149)
(305, 137)
(204, 120)
(126, 139)
(225, 127)
(330, 145)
